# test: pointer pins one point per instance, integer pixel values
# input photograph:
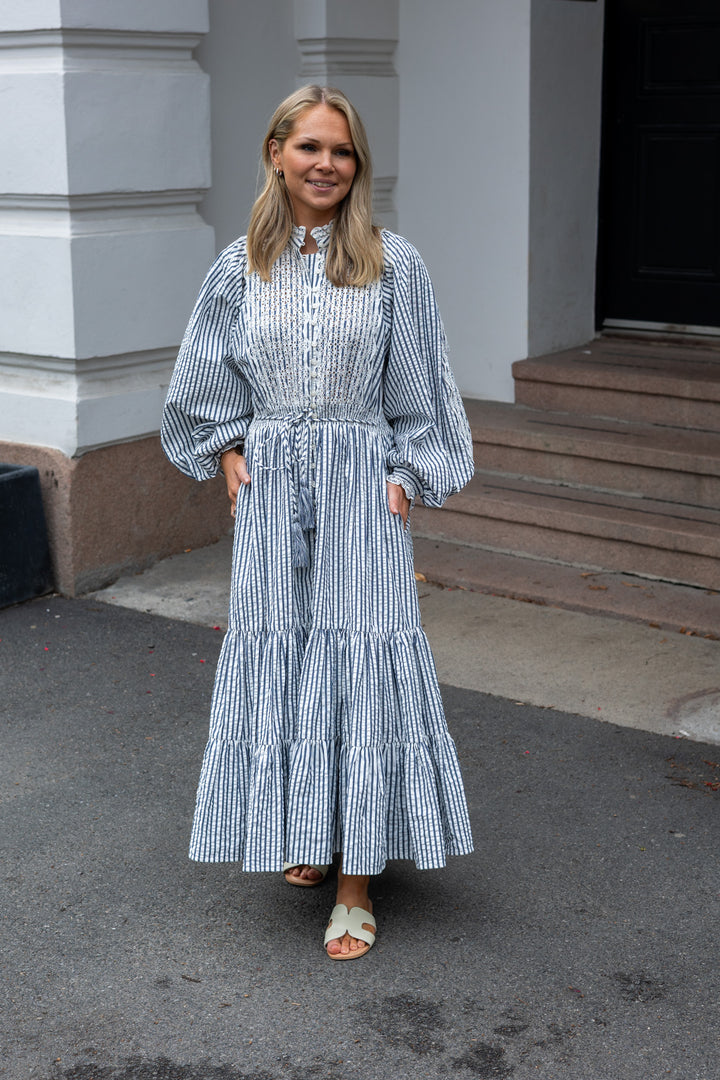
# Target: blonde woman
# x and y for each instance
(314, 375)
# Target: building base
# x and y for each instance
(119, 508)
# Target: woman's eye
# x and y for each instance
(345, 153)
(308, 146)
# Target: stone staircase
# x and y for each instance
(609, 459)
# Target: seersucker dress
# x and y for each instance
(327, 730)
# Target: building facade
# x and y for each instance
(131, 136)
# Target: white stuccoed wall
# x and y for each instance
(565, 117)
(499, 160)
(464, 71)
(486, 157)
(105, 158)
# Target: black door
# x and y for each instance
(659, 242)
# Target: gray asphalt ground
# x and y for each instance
(578, 942)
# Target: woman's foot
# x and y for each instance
(304, 874)
(352, 891)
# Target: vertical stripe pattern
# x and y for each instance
(327, 729)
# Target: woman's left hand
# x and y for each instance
(398, 501)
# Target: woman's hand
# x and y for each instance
(235, 472)
(398, 501)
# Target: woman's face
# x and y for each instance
(318, 160)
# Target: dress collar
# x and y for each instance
(320, 234)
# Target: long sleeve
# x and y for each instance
(431, 455)
(209, 403)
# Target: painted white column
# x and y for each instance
(105, 136)
(465, 172)
(350, 45)
(565, 120)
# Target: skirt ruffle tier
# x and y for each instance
(325, 742)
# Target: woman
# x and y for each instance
(313, 373)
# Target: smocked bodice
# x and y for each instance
(306, 346)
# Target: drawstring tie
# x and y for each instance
(303, 469)
(298, 455)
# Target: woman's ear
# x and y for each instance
(274, 149)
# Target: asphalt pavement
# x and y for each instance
(577, 942)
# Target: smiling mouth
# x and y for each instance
(326, 185)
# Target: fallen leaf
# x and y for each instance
(419, 576)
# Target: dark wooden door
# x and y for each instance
(659, 242)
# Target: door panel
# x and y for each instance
(659, 244)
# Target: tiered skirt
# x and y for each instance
(327, 731)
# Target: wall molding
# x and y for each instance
(81, 405)
(26, 366)
(103, 212)
(384, 194)
(321, 57)
(89, 48)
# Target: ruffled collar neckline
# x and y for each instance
(320, 234)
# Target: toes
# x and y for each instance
(338, 945)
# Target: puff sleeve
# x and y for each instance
(209, 403)
(431, 454)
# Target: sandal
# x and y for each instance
(292, 880)
(350, 922)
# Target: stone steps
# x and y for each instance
(610, 459)
(580, 526)
(651, 383)
(668, 464)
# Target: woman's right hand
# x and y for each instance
(234, 469)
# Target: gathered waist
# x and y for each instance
(345, 414)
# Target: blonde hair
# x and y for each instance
(355, 255)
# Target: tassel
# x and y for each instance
(306, 513)
(300, 552)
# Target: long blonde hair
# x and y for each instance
(355, 255)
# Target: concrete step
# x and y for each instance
(591, 529)
(660, 463)
(656, 383)
(683, 609)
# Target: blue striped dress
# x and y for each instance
(327, 729)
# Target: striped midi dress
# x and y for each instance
(327, 729)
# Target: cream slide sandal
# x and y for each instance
(350, 922)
